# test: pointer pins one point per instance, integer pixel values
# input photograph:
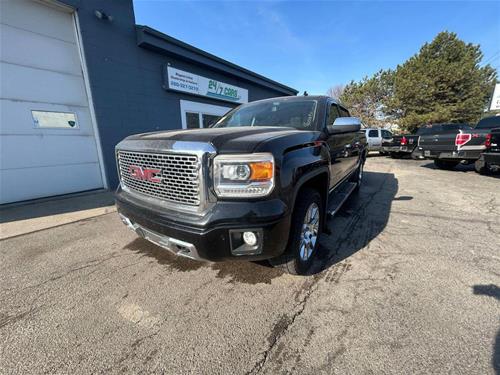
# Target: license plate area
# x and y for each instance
(153, 237)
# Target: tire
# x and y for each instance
(299, 255)
(481, 167)
(445, 164)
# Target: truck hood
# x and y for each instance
(224, 140)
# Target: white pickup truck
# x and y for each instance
(375, 136)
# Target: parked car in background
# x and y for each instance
(451, 144)
(489, 160)
(259, 184)
(406, 144)
(375, 137)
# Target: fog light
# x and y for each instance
(247, 241)
(250, 238)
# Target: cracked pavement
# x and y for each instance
(408, 282)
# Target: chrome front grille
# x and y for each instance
(176, 177)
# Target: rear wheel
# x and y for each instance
(445, 164)
(307, 221)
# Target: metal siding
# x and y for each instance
(126, 80)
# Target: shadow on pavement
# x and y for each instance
(55, 206)
(375, 154)
(236, 271)
(403, 198)
(362, 218)
(464, 168)
(491, 290)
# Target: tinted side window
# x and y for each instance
(344, 112)
(334, 113)
(386, 134)
(429, 129)
(451, 128)
(373, 133)
(489, 123)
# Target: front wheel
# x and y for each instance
(305, 228)
(445, 164)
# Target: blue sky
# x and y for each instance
(315, 45)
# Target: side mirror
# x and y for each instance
(344, 125)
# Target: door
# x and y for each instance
(195, 115)
(339, 149)
(374, 139)
(47, 141)
(351, 146)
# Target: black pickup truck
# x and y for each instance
(258, 184)
(489, 160)
(406, 144)
(457, 143)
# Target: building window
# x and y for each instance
(209, 119)
(192, 120)
(196, 115)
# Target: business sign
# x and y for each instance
(495, 101)
(180, 80)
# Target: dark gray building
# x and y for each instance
(85, 77)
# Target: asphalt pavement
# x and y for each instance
(408, 282)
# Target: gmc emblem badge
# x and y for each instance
(144, 174)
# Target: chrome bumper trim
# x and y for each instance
(175, 246)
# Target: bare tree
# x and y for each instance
(335, 91)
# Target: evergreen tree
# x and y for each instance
(442, 83)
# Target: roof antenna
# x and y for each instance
(305, 93)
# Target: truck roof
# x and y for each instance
(322, 98)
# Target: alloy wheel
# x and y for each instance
(310, 229)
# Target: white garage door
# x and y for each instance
(47, 143)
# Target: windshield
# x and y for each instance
(299, 114)
(489, 123)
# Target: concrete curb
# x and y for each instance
(24, 219)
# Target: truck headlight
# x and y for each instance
(244, 175)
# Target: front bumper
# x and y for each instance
(211, 236)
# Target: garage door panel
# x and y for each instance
(44, 53)
(46, 150)
(16, 118)
(30, 183)
(38, 18)
(41, 71)
(35, 85)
